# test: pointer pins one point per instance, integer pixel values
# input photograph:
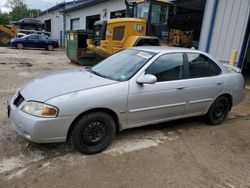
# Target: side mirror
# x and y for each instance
(147, 79)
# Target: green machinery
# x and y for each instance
(77, 50)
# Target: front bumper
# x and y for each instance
(37, 129)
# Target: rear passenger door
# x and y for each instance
(204, 83)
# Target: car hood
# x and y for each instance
(48, 86)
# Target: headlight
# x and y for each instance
(40, 109)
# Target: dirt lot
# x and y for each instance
(186, 153)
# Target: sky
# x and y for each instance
(38, 4)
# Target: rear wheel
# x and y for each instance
(93, 133)
(218, 111)
(19, 45)
(4, 39)
(50, 47)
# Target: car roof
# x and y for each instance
(165, 49)
(35, 34)
(32, 34)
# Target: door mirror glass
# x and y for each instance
(147, 79)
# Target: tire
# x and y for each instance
(50, 47)
(218, 111)
(93, 133)
(5, 39)
(19, 45)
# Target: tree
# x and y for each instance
(34, 12)
(4, 18)
(19, 10)
(16, 3)
(19, 13)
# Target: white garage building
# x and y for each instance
(225, 25)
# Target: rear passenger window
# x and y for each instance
(167, 67)
(201, 66)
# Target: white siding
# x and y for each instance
(111, 6)
(56, 23)
(206, 24)
(229, 28)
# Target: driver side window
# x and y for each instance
(167, 67)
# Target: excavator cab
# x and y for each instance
(156, 12)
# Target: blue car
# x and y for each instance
(34, 41)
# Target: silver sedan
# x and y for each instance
(135, 87)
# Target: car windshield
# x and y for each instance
(123, 65)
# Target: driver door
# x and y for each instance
(32, 41)
(166, 99)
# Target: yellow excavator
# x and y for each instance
(6, 33)
(147, 22)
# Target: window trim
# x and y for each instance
(71, 23)
(187, 65)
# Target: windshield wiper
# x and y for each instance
(101, 75)
(94, 72)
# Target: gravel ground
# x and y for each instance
(185, 153)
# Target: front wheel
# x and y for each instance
(19, 46)
(50, 47)
(93, 133)
(218, 111)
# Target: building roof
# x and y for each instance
(61, 6)
(85, 4)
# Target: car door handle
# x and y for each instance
(180, 88)
(219, 83)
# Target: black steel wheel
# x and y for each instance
(93, 133)
(218, 111)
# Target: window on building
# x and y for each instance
(167, 67)
(75, 23)
(90, 21)
(47, 25)
(201, 66)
